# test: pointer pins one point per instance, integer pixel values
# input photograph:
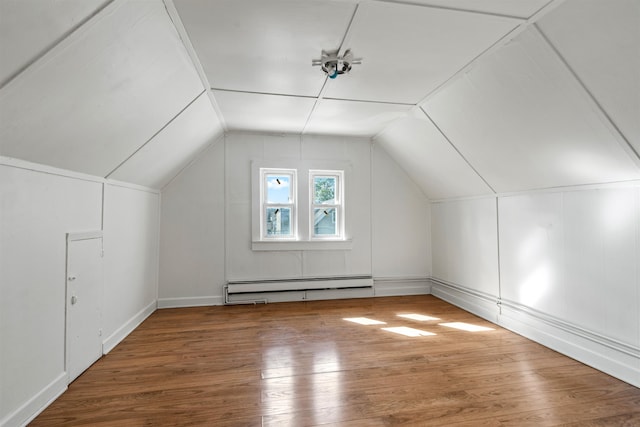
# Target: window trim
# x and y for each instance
(292, 205)
(302, 242)
(338, 204)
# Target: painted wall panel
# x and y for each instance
(29, 28)
(531, 251)
(242, 263)
(426, 155)
(192, 229)
(523, 122)
(574, 255)
(465, 243)
(599, 40)
(155, 164)
(96, 98)
(36, 211)
(400, 221)
(131, 229)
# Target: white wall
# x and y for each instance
(192, 233)
(39, 205)
(243, 263)
(131, 234)
(401, 246)
(569, 268)
(214, 194)
(38, 209)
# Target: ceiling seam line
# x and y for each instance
(155, 134)
(458, 151)
(347, 33)
(502, 41)
(454, 9)
(488, 51)
(586, 90)
(320, 96)
(48, 49)
(367, 101)
(630, 183)
(316, 103)
(251, 92)
(174, 17)
(195, 159)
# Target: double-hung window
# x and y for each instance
(326, 207)
(278, 210)
(298, 208)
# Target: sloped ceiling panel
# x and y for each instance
(264, 46)
(29, 28)
(430, 160)
(523, 122)
(408, 51)
(599, 40)
(162, 158)
(94, 100)
(353, 118)
(264, 113)
(521, 9)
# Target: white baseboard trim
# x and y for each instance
(612, 357)
(617, 359)
(38, 403)
(478, 303)
(121, 333)
(189, 302)
(399, 286)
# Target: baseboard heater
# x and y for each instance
(252, 292)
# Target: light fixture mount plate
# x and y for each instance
(333, 65)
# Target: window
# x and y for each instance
(326, 204)
(298, 207)
(278, 210)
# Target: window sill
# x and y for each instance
(302, 245)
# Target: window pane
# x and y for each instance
(278, 221)
(278, 188)
(324, 190)
(324, 222)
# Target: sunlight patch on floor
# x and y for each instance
(466, 327)
(408, 332)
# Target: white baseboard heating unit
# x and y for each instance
(264, 291)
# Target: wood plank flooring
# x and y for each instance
(302, 364)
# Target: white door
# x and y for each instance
(84, 301)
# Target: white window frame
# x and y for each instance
(301, 241)
(292, 205)
(338, 204)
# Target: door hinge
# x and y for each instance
(99, 332)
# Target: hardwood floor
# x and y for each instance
(302, 364)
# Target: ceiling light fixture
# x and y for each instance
(334, 65)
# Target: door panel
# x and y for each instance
(84, 301)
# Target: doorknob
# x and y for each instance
(72, 278)
(74, 299)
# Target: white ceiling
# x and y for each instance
(28, 32)
(601, 42)
(399, 45)
(521, 97)
(470, 97)
(96, 98)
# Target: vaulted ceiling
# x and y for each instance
(470, 97)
